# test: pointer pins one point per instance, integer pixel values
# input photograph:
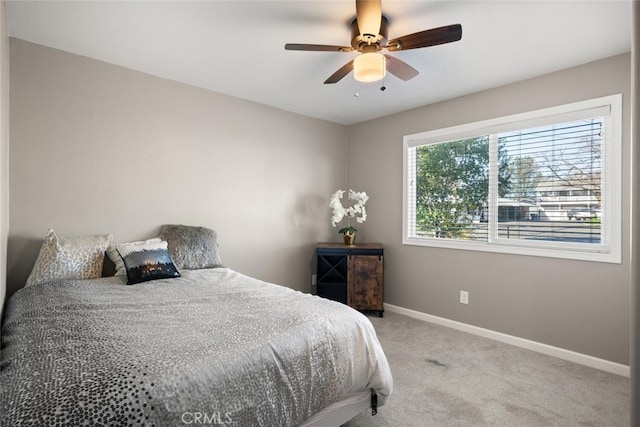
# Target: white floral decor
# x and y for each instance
(356, 211)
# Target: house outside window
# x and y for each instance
(545, 183)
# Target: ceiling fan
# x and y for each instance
(368, 36)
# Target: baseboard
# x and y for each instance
(571, 356)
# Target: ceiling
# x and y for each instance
(237, 47)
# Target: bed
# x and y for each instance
(210, 346)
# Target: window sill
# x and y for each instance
(613, 255)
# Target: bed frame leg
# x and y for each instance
(374, 403)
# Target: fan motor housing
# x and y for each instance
(358, 42)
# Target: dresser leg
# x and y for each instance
(381, 313)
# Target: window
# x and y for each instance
(544, 183)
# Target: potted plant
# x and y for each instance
(356, 211)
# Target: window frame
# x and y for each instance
(610, 107)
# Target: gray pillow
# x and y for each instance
(75, 257)
(191, 248)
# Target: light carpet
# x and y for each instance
(445, 377)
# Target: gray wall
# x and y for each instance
(635, 233)
(4, 150)
(576, 305)
(97, 148)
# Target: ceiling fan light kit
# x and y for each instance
(369, 67)
(368, 36)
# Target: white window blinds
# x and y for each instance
(541, 183)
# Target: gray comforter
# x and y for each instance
(213, 345)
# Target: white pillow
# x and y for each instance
(79, 257)
(115, 257)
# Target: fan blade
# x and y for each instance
(400, 69)
(317, 47)
(338, 75)
(432, 37)
(369, 16)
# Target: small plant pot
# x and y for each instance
(349, 239)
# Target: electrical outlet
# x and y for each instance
(464, 297)
(313, 280)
